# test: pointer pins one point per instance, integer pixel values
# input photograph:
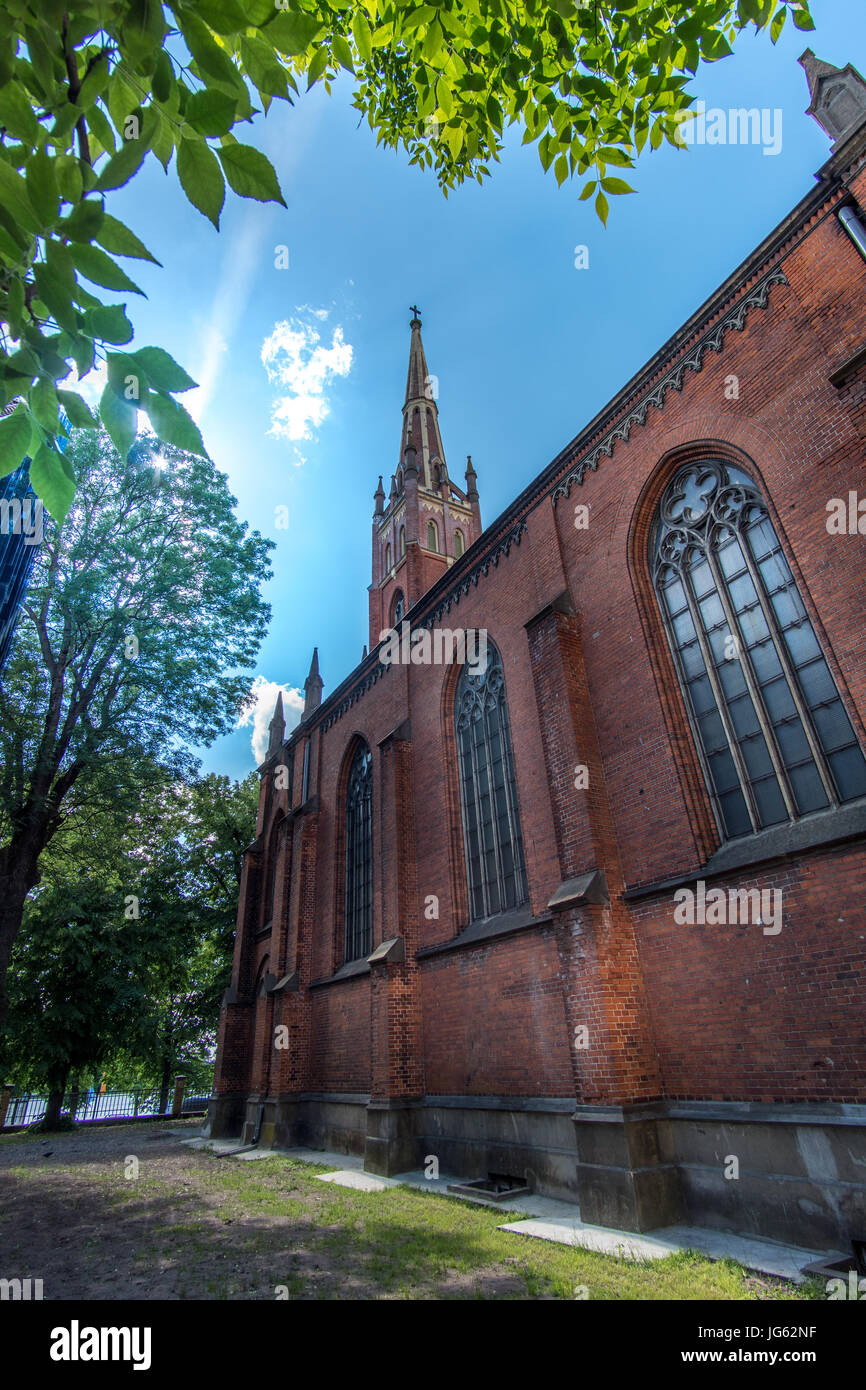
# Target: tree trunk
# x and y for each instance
(16, 879)
(55, 1100)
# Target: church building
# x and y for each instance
(588, 909)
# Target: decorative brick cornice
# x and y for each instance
(712, 341)
(355, 694)
(470, 579)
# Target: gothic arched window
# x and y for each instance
(458, 543)
(399, 608)
(773, 735)
(402, 541)
(271, 871)
(359, 856)
(495, 871)
(388, 557)
(432, 536)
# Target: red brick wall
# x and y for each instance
(494, 1022)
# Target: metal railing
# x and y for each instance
(29, 1107)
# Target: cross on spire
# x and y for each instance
(415, 311)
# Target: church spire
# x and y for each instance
(428, 521)
(313, 686)
(277, 726)
(421, 412)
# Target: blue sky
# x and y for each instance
(526, 347)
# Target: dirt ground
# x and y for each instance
(70, 1215)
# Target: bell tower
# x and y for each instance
(428, 522)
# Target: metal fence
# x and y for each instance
(29, 1107)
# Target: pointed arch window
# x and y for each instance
(772, 732)
(459, 543)
(432, 536)
(402, 541)
(359, 856)
(271, 871)
(388, 558)
(399, 611)
(495, 870)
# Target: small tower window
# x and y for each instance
(432, 537)
(388, 558)
(459, 546)
(402, 541)
(399, 608)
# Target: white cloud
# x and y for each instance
(260, 714)
(296, 360)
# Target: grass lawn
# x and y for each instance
(191, 1225)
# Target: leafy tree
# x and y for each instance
(189, 891)
(78, 984)
(125, 952)
(137, 640)
(91, 88)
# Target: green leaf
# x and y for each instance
(43, 404)
(16, 113)
(317, 66)
(211, 59)
(53, 290)
(116, 237)
(174, 424)
(162, 82)
(602, 207)
(362, 36)
(127, 377)
(42, 187)
(201, 178)
(80, 415)
(587, 191)
(120, 419)
(162, 370)
(444, 97)
(51, 481)
(14, 440)
(121, 166)
(291, 32)
(211, 112)
(84, 221)
(223, 16)
(778, 23)
(616, 186)
(264, 68)
(14, 197)
(560, 169)
(109, 323)
(95, 265)
(342, 52)
(250, 173)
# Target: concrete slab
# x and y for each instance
(767, 1257)
(223, 1148)
(363, 1182)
